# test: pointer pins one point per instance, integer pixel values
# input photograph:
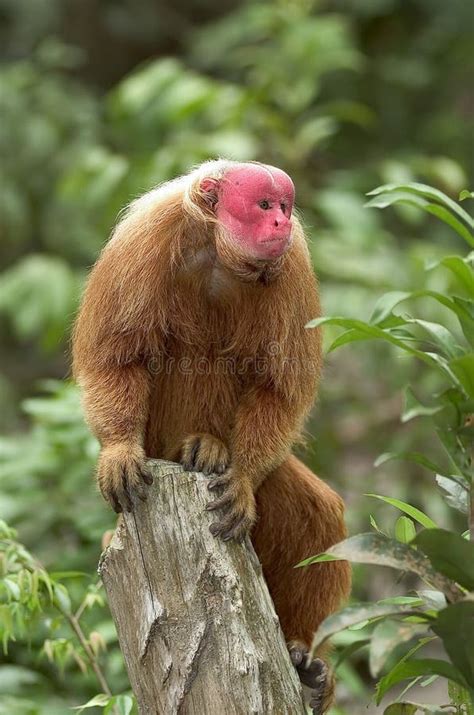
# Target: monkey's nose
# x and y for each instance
(281, 222)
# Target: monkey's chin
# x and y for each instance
(251, 263)
(271, 248)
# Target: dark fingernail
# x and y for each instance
(296, 656)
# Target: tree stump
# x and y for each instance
(194, 617)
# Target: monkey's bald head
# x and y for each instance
(254, 203)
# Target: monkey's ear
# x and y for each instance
(209, 188)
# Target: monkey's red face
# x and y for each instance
(254, 203)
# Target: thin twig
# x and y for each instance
(80, 610)
(75, 625)
(471, 512)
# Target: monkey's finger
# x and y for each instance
(217, 482)
(237, 531)
(297, 655)
(223, 501)
(215, 528)
(313, 675)
(135, 485)
(114, 502)
(109, 494)
(221, 467)
(190, 453)
(125, 498)
(232, 526)
(220, 528)
(315, 703)
(147, 475)
(194, 452)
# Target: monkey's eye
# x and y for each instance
(283, 207)
(264, 205)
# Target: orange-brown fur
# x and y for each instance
(170, 289)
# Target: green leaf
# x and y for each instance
(465, 194)
(407, 708)
(413, 600)
(465, 314)
(100, 700)
(352, 615)
(358, 330)
(460, 268)
(412, 511)
(416, 457)
(462, 308)
(61, 598)
(430, 193)
(382, 200)
(414, 668)
(119, 705)
(12, 588)
(60, 575)
(404, 530)
(441, 336)
(461, 698)
(450, 554)
(434, 600)
(455, 626)
(386, 683)
(451, 221)
(350, 650)
(414, 408)
(463, 368)
(386, 636)
(457, 494)
(375, 526)
(374, 548)
(401, 709)
(385, 305)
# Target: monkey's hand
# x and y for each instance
(203, 452)
(121, 473)
(316, 675)
(237, 501)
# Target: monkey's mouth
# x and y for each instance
(274, 246)
(276, 239)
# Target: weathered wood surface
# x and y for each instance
(195, 621)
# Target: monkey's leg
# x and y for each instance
(300, 516)
(202, 452)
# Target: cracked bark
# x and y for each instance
(195, 621)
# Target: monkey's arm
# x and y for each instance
(263, 433)
(116, 406)
(119, 327)
(266, 425)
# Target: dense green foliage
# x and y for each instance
(100, 103)
(442, 559)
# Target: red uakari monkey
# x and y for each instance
(191, 346)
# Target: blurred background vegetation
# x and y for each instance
(99, 101)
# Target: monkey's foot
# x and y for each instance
(316, 675)
(122, 472)
(238, 504)
(204, 453)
